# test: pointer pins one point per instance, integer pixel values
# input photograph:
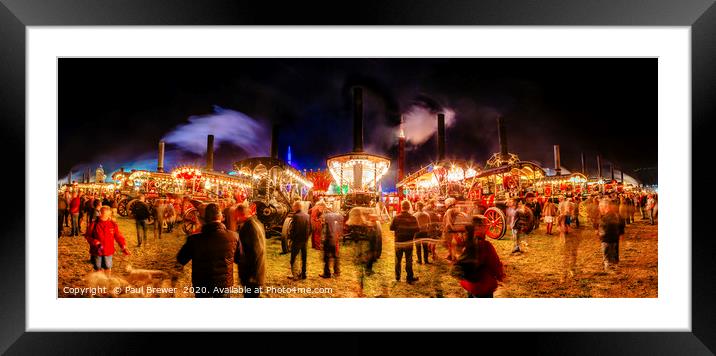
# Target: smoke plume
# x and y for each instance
(420, 123)
(227, 126)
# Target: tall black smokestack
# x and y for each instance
(584, 170)
(557, 161)
(502, 135)
(274, 142)
(357, 119)
(69, 178)
(441, 136)
(160, 159)
(622, 174)
(210, 152)
(599, 166)
(611, 169)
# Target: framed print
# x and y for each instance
(428, 172)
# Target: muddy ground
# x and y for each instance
(538, 273)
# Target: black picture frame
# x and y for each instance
(16, 15)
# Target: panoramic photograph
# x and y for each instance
(357, 178)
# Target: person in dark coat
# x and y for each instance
(140, 210)
(213, 253)
(611, 229)
(405, 226)
(298, 233)
(478, 268)
(252, 269)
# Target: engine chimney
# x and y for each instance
(622, 174)
(69, 178)
(599, 166)
(584, 170)
(210, 152)
(557, 161)
(441, 136)
(611, 169)
(274, 142)
(160, 160)
(502, 135)
(401, 153)
(357, 119)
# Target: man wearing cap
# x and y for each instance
(213, 252)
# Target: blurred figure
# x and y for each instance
(631, 204)
(642, 205)
(421, 245)
(75, 208)
(68, 198)
(160, 207)
(140, 211)
(520, 220)
(563, 209)
(298, 232)
(88, 209)
(252, 268)
(593, 213)
(332, 231)
(478, 268)
(170, 215)
(230, 218)
(536, 208)
(114, 204)
(450, 227)
(316, 222)
(550, 213)
(570, 245)
(81, 214)
(575, 209)
(611, 228)
(405, 226)
(94, 212)
(435, 228)
(623, 209)
(61, 208)
(650, 205)
(101, 235)
(213, 253)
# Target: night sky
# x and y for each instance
(114, 111)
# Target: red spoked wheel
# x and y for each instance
(496, 223)
(190, 221)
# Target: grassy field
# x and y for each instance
(535, 274)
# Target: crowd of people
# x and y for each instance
(78, 208)
(234, 235)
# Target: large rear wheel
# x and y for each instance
(496, 223)
(190, 221)
(123, 208)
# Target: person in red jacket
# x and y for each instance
(478, 268)
(75, 214)
(101, 235)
